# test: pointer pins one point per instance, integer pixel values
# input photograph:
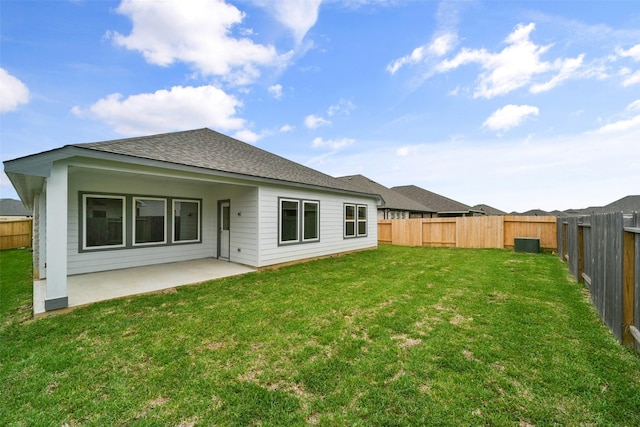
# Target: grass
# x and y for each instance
(396, 336)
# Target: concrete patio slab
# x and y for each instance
(92, 287)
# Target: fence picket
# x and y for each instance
(15, 233)
(469, 232)
(604, 250)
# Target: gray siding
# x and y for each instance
(90, 181)
(244, 218)
(331, 226)
(254, 219)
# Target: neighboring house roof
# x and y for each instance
(204, 149)
(435, 201)
(11, 207)
(535, 212)
(391, 199)
(627, 204)
(488, 210)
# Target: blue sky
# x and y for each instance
(518, 105)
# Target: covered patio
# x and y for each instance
(105, 285)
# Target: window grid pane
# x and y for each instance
(104, 221)
(288, 221)
(310, 225)
(186, 221)
(349, 220)
(362, 220)
(149, 220)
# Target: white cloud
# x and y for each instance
(344, 106)
(287, 128)
(248, 136)
(515, 66)
(509, 116)
(634, 106)
(443, 44)
(334, 144)
(298, 16)
(404, 151)
(416, 56)
(314, 122)
(440, 46)
(631, 79)
(167, 110)
(628, 124)
(276, 91)
(14, 92)
(568, 68)
(632, 52)
(624, 125)
(197, 32)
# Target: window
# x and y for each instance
(349, 220)
(149, 221)
(288, 221)
(114, 221)
(294, 223)
(311, 223)
(186, 221)
(362, 220)
(355, 220)
(104, 224)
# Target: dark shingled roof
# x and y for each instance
(488, 210)
(627, 204)
(392, 199)
(433, 200)
(12, 207)
(208, 149)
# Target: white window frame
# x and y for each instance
(355, 221)
(300, 203)
(134, 217)
(173, 216)
(281, 202)
(359, 220)
(302, 222)
(84, 221)
(349, 221)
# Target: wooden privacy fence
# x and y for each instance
(469, 232)
(15, 233)
(603, 251)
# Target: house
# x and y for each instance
(181, 196)
(394, 205)
(488, 210)
(444, 206)
(11, 209)
(627, 205)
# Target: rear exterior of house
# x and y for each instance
(178, 197)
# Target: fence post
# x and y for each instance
(580, 254)
(565, 252)
(628, 282)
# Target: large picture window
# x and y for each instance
(186, 221)
(104, 224)
(355, 220)
(149, 220)
(299, 221)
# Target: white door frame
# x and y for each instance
(224, 229)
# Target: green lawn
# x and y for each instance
(395, 336)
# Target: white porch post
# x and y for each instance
(56, 239)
